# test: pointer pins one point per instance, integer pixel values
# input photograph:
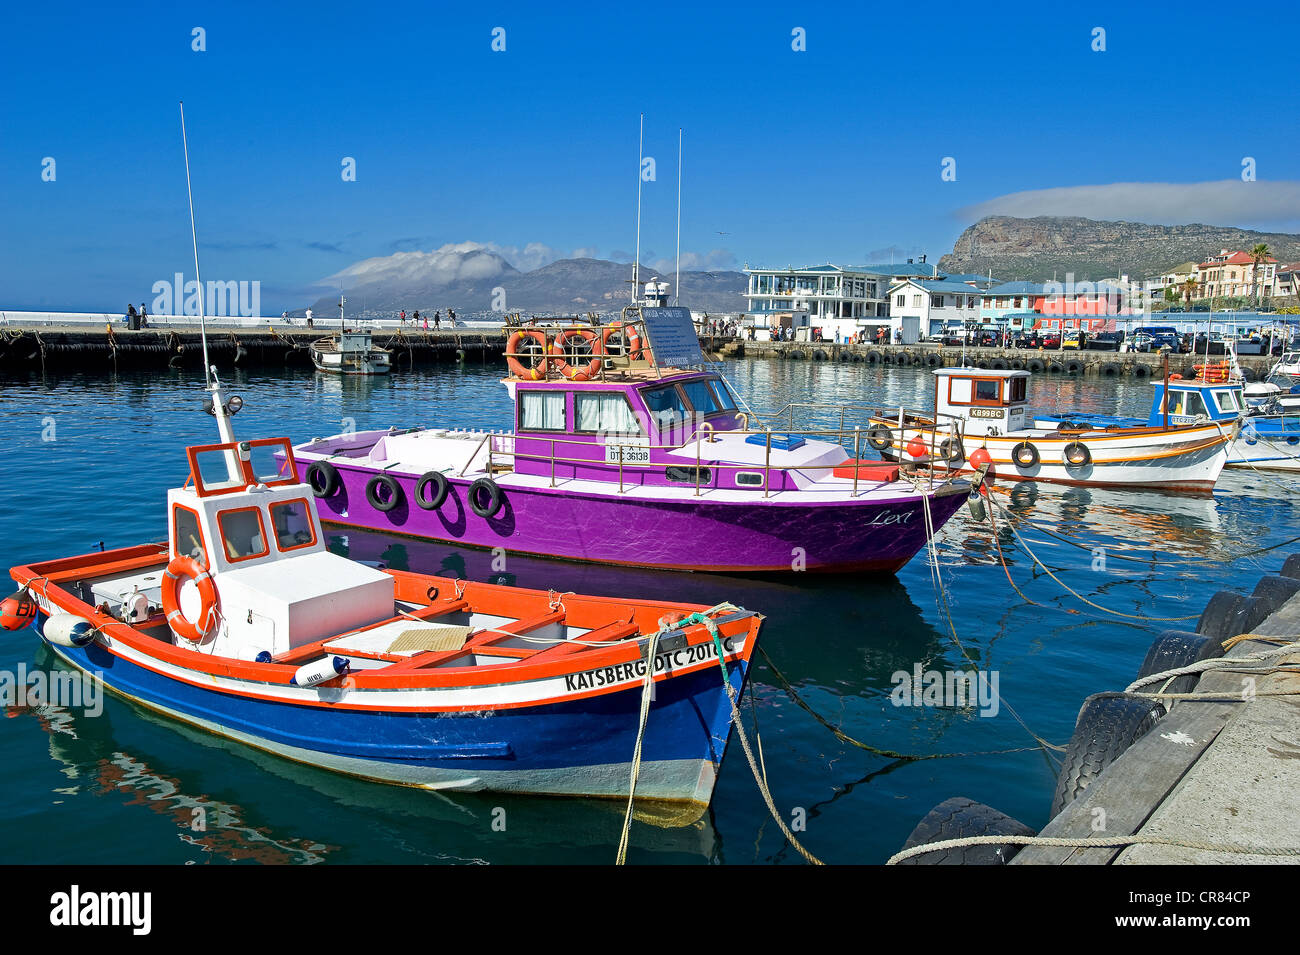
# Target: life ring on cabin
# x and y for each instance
(190, 569)
(534, 353)
(561, 350)
(1076, 455)
(1024, 455)
(495, 499)
(431, 501)
(323, 478)
(880, 439)
(622, 340)
(395, 495)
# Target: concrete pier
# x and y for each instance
(1209, 772)
(79, 347)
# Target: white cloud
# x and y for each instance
(1223, 202)
(697, 261)
(453, 261)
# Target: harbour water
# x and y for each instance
(89, 459)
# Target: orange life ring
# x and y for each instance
(517, 367)
(635, 347)
(577, 373)
(190, 569)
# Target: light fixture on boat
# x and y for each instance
(232, 406)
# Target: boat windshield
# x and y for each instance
(665, 406)
(701, 397)
(1186, 403)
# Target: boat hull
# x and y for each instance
(780, 535)
(1187, 459)
(579, 746)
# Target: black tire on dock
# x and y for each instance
(1291, 567)
(1055, 368)
(323, 478)
(982, 363)
(845, 355)
(873, 357)
(795, 355)
(1229, 614)
(854, 356)
(1073, 367)
(1108, 724)
(819, 355)
(1178, 648)
(1108, 370)
(887, 358)
(1035, 365)
(1000, 364)
(932, 361)
(916, 361)
(1017, 364)
(1141, 371)
(1273, 592)
(961, 818)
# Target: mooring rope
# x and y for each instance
(1091, 843)
(647, 693)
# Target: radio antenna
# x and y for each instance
(636, 262)
(194, 236)
(677, 284)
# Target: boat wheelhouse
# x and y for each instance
(245, 625)
(992, 408)
(351, 353)
(621, 457)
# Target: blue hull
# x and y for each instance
(578, 747)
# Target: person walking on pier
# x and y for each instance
(451, 316)
(144, 316)
(401, 319)
(437, 319)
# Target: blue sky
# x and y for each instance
(830, 154)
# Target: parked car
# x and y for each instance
(1076, 339)
(1140, 341)
(1050, 340)
(1105, 341)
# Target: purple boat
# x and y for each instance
(617, 460)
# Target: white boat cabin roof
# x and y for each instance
(980, 373)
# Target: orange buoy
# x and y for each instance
(17, 610)
(916, 447)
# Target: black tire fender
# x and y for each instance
(1172, 649)
(1108, 724)
(880, 438)
(495, 499)
(395, 495)
(1076, 455)
(328, 474)
(431, 490)
(1028, 462)
(960, 818)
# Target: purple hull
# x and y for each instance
(882, 534)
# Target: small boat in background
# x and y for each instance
(350, 352)
(991, 408)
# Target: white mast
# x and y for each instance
(677, 283)
(210, 377)
(636, 262)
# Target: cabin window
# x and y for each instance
(293, 525)
(1016, 389)
(1227, 401)
(242, 534)
(187, 535)
(701, 397)
(542, 411)
(665, 406)
(604, 413)
(986, 391)
(1186, 403)
(723, 395)
(749, 479)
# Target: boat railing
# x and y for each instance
(500, 446)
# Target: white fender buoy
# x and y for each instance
(68, 630)
(309, 674)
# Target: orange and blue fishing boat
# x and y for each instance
(246, 625)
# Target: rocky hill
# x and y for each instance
(1035, 249)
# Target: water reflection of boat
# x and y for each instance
(151, 761)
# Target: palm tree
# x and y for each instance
(1189, 287)
(1257, 255)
